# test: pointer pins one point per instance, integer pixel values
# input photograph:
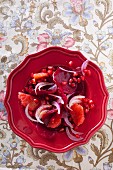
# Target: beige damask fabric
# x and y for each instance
(28, 26)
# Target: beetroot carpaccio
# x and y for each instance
(55, 97)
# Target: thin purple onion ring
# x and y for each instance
(71, 136)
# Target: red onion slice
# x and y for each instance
(38, 119)
(68, 107)
(60, 100)
(27, 114)
(46, 114)
(42, 107)
(40, 85)
(68, 122)
(39, 111)
(76, 99)
(69, 71)
(53, 87)
(52, 111)
(57, 106)
(69, 95)
(44, 85)
(75, 132)
(42, 113)
(71, 136)
(84, 65)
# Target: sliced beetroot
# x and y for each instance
(57, 89)
(61, 79)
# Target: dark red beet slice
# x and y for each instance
(61, 76)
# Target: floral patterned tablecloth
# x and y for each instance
(28, 26)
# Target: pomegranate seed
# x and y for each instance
(64, 83)
(70, 80)
(87, 72)
(82, 78)
(90, 101)
(91, 106)
(75, 74)
(33, 81)
(23, 90)
(47, 98)
(86, 105)
(70, 63)
(70, 84)
(85, 100)
(78, 80)
(32, 75)
(77, 136)
(86, 110)
(44, 70)
(45, 80)
(75, 80)
(50, 72)
(36, 100)
(50, 67)
(73, 85)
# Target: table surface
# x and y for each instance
(29, 26)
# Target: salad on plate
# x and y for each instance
(55, 97)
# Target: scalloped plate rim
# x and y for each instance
(24, 136)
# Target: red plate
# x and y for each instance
(40, 137)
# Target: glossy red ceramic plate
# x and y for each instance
(40, 137)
